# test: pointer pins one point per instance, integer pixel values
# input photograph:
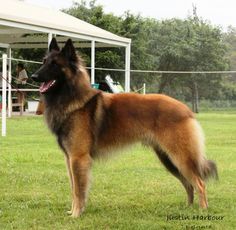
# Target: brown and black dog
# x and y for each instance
(89, 123)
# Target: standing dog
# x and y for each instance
(88, 123)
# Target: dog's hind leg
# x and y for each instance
(174, 171)
(183, 142)
(80, 168)
(189, 169)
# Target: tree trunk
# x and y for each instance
(193, 99)
(196, 100)
(165, 80)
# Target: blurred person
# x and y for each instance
(21, 80)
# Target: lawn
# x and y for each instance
(130, 191)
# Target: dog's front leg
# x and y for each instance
(69, 170)
(80, 167)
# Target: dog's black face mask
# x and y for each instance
(56, 65)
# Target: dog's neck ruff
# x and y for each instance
(56, 115)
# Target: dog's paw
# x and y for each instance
(76, 213)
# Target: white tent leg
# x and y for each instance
(9, 84)
(92, 62)
(144, 88)
(4, 94)
(49, 39)
(127, 67)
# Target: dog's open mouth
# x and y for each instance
(45, 86)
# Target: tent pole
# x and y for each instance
(4, 94)
(92, 62)
(9, 84)
(49, 39)
(127, 67)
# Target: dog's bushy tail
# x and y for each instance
(208, 170)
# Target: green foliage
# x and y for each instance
(228, 89)
(191, 44)
(188, 45)
(230, 41)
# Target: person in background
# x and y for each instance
(21, 80)
(22, 76)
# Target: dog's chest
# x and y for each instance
(54, 120)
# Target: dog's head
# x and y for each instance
(58, 66)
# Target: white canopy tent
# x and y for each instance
(23, 25)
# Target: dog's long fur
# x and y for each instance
(89, 123)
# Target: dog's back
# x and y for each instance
(133, 117)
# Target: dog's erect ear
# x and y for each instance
(68, 51)
(53, 45)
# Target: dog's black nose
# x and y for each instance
(34, 77)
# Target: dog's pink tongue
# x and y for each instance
(46, 85)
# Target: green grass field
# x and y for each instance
(130, 191)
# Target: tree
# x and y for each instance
(189, 45)
(94, 14)
(230, 41)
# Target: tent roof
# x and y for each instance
(18, 18)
